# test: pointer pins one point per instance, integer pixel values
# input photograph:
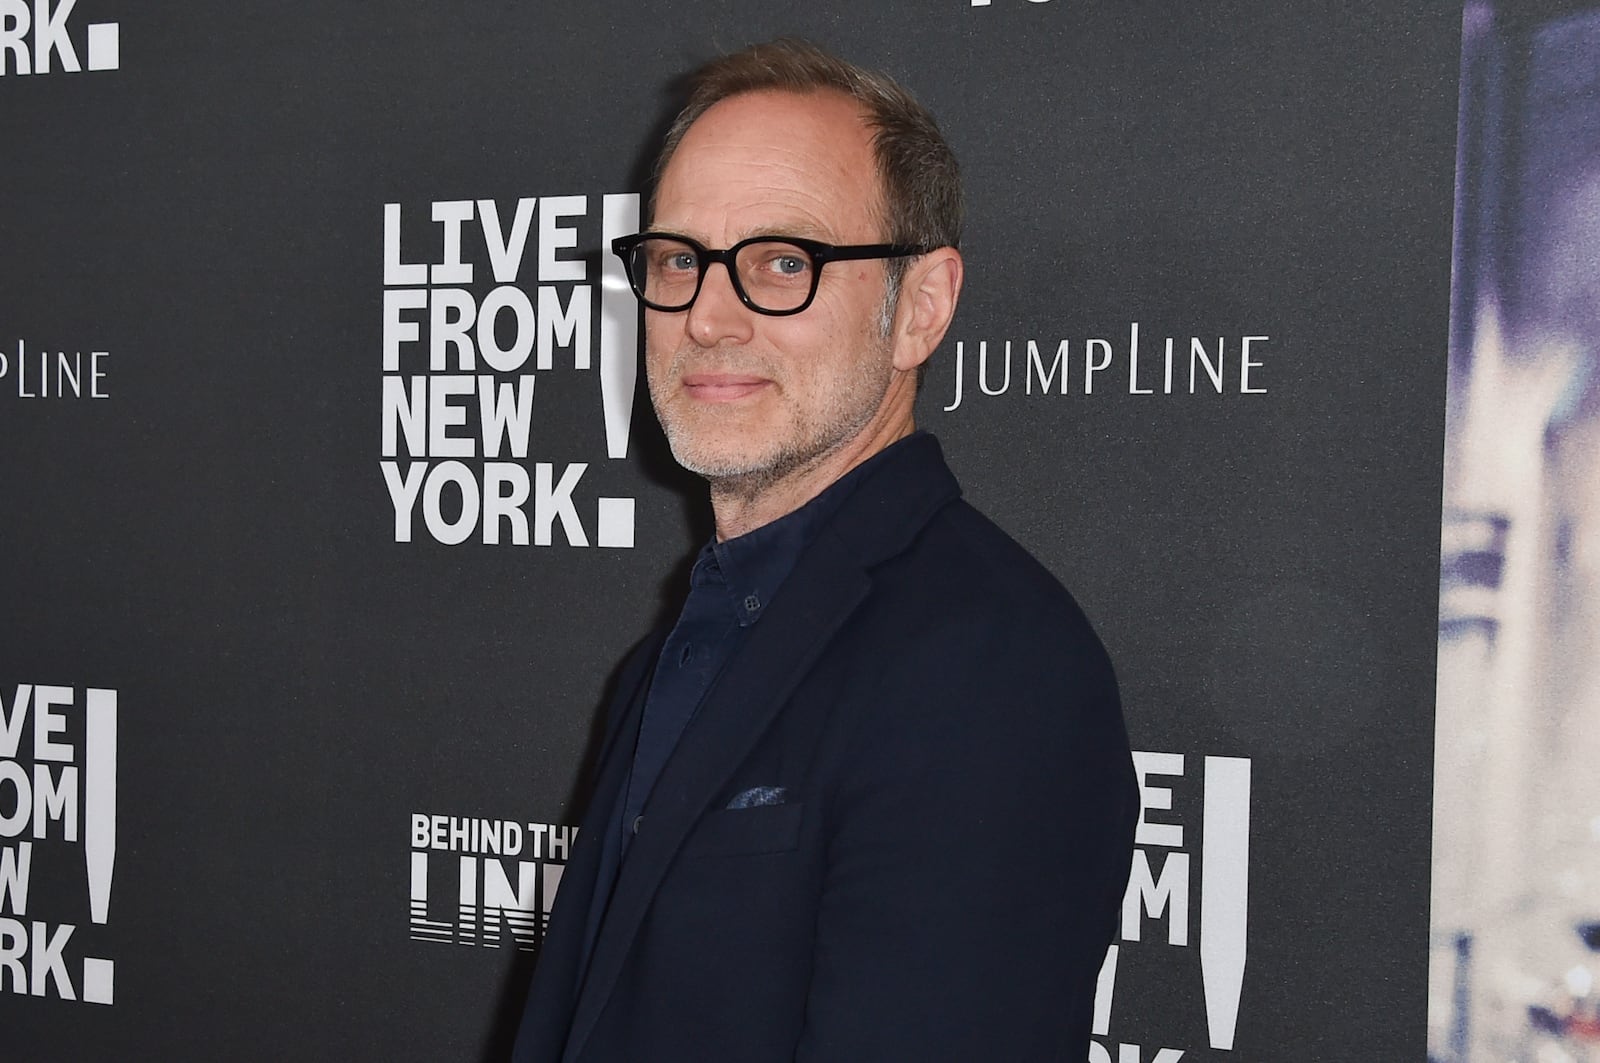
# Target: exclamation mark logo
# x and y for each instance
(619, 324)
(1224, 893)
(100, 827)
(619, 359)
(105, 46)
(1104, 986)
(100, 798)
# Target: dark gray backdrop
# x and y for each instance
(214, 540)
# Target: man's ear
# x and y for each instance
(928, 296)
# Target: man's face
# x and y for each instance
(743, 395)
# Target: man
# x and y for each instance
(871, 797)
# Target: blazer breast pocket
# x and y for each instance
(747, 831)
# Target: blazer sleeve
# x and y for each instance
(978, 851)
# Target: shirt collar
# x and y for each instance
(754, 565)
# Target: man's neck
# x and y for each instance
(743, 504)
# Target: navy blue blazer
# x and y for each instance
(898, 828)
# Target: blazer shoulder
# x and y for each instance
(965, 629)
(968, 643)
(990, 580)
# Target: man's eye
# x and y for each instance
(681, 260)
(789, 264)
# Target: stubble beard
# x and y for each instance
(752, 464)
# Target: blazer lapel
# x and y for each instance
(819, 595)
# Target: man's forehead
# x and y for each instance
(824, 103)
(805, 156)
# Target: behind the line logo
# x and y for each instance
(1167, 899)
(44, 38)
(482, 301)
(58, 839)
(485, 882)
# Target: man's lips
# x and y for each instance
(722, 387)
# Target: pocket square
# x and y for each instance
(757, 796)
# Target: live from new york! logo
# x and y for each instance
(58, 839)
(44, 38)
(1188, 889)
(498, 316)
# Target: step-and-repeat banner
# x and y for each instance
(331, 497)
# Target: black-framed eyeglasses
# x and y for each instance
(774, 275)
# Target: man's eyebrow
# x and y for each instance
(805, 230)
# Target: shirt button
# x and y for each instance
(636, 821)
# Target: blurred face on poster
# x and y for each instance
(1517, 808)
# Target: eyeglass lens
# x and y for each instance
(775, 274)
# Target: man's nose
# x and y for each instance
(717, 315)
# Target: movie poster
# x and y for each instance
(1515, 941)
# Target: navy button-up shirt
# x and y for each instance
(730, 585)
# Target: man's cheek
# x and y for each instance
(657, 357)
(662, 332)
